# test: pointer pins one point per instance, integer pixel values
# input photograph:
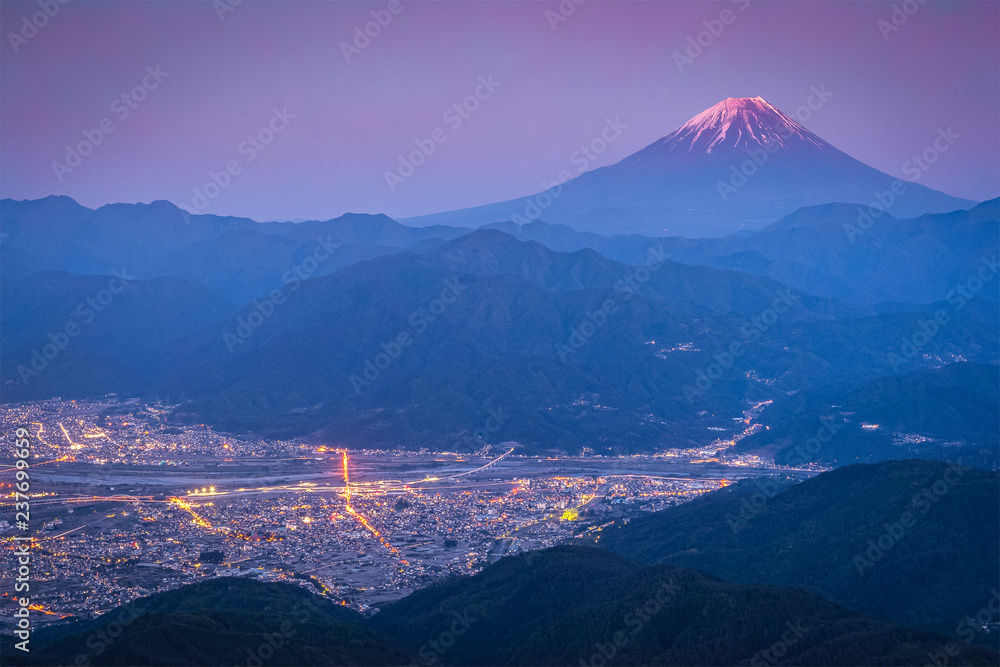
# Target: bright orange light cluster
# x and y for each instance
(38, 607)
(362, 520)
(347, 480)
(187, 507)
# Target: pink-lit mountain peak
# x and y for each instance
(739, 123)
(736, 166)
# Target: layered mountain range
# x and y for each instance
(291, 330)
(364, 331)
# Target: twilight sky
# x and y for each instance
(343, 124)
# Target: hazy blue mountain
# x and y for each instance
(910, 261)
(239, 258)
(950, 413)
(77, 336)
(16, 264)
(822, 251)
(572, 347)
(916, 260)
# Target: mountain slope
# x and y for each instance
(559, 606)
(842, 534)
(691, 183)
(822, 251)
(573, 605)
(76, 336)
(572, 347)
(227, 620)
(951, 413)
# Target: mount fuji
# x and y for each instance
(736, 166)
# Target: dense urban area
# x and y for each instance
(124, 504)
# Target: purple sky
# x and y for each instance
(557, 87)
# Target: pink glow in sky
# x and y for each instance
(347, 122)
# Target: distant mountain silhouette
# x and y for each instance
(820, 250)
(239, 258)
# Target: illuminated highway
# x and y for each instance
(362, 520)
(469, 472)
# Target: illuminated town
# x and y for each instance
(125, 504)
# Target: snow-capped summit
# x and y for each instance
(736, 166)
(734, 124)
